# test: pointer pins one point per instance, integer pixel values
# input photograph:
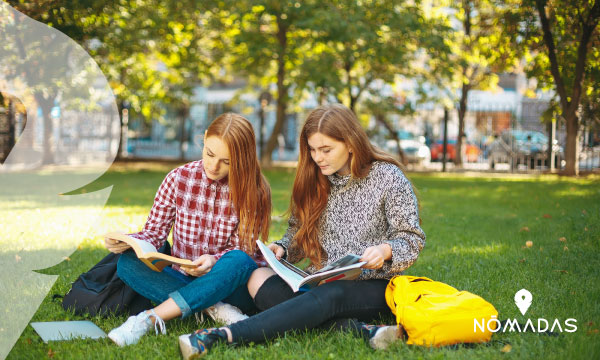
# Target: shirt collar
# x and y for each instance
(339, 180)
(210, 181)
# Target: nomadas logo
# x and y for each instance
(523, 300)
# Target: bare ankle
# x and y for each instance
(151, 317)
(229, 336)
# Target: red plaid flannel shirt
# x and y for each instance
(203, 218)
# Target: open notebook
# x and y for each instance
(67, 330)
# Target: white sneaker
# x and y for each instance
(188, 351)
(381, 337)
(225, 313)
(135, 327)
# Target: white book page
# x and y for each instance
(280, 269)
(145, 246)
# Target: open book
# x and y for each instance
(147, 253)
(346, 268)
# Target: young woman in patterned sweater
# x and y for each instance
(348, 197)
(217, 207)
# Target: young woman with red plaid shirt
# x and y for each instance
(217, 207)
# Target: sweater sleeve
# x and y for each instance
(159, 223)
(405, 235)
(289, 234)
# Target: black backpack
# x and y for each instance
(100, 291)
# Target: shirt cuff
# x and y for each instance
(181, 303)
(285, 250)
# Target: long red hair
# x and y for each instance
(249, 192)
(311, 187)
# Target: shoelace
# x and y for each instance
(199, 318)
(159, 323)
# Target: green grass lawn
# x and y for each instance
(477, 235)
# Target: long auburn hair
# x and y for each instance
(249, 190)
(311, 187)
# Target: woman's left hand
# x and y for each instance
(375, 256)
(203, 264)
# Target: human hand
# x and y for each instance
(277, 250)
(375, 256)
(115, 246)
(202, 265)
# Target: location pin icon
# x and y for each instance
(523, 300)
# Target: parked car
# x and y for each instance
(413, 146)
(522, 147)
(472, 151)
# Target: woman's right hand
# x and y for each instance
(115, 246)
(277, 250)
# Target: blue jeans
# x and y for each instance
(226, 281)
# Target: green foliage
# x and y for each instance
(566, 19)
(473, 54)
(153, 52)
(561, 42)
(356, 44)
(265, 41)
(479, 50)
(255, 31)
(477, 230)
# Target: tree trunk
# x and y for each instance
(48, 140)
(322, 96)
(9, 125)
(550, 144)
(462, 111)
(120, 147)
(282, 95)
(183, 114)
(12, 119)
(353, 101)
(120, 107)
(261, 138)
(445, 140)
(381, 119)
(572, 146)
(570, 102)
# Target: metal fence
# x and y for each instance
(77, 137)
(513, 138)
(182, 138)
(500, 137)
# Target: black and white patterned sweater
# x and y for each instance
(380, 208)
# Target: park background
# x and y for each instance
(414, 72)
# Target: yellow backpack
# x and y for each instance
(435, 314)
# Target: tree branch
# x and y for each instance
(549, 40)
(364, 87)
(587, 29)
(347, 67)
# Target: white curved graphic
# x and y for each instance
(70, 138)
